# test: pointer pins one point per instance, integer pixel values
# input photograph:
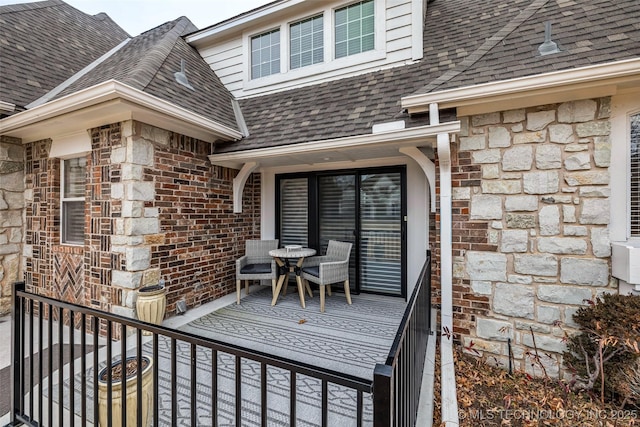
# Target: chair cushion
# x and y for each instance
(256, 269)
(314, 271)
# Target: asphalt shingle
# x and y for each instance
(465, 43)
(44, 43)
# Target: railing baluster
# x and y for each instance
(60, 366)
(83, 368)
(72, 370)
(325, 405)
(50, 364)
(292, 398)
(174, 383)
(139, 376)
(31, 386)
(359, 408)
(156, 370)
(214, 388)
(263, 393)
(16, 352)
(40, 359)
(123, 374)
(22, 352)
(95, 325)
(194, 380)
(238, 391)
(109, 377)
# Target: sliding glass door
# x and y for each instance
(364, 207)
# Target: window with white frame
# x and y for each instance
(73, 181)
(306, 42)
(354, 29)
(265, 54)
(635, 174)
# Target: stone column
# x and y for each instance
(11, 217)
(138, 227)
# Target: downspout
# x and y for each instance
(447, 372)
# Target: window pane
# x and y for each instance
(635, 175)
(73, 222)
(265, 50)
(304, 40)
(294, 208)
(341, 16)
(359, 30)
(74, 177)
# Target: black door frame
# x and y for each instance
(313, 219)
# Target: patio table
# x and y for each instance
(282, 257)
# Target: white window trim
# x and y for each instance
(622, 108)
(330, 63)
(66, 199)
(324, 50)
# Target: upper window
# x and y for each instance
(306, 42)
(355, 29)
(72, 206)
(635, 174)
(265, 54)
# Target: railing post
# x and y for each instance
(17, 316)
(383, 396)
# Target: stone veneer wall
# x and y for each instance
(155, 208)
(530, 236)
(11, 217)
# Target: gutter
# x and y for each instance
(603, 74)
(108, 91)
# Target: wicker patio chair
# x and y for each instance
(333, 267)
(256, 264)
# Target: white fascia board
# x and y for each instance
(107, 91)
(7, 106)
(614, 71)
(236, 24)
(415, 134)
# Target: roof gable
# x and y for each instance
(149, 62)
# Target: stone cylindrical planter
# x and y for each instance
(132, 393)
(151, 304)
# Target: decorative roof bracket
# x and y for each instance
(238, 184)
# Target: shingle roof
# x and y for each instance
(465, 43)
(42, 44)
(148, 63)
(587, 32)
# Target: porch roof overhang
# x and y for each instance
(110, 102)
(383, 144)
(554, 87)
(360, 147)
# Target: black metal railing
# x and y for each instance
(396, 383)
(195, 380)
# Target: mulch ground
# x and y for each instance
(489, 396)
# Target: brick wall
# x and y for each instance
(155, 208)
(530, 227)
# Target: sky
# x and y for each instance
(137, 16)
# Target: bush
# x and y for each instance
(606, 344)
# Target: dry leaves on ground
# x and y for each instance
(489, 396)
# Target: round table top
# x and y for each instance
(292, 253)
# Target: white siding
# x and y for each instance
(395, 27)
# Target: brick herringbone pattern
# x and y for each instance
(68, 277)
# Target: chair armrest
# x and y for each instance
(241, 262)
(315, 260)
(334, 271)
